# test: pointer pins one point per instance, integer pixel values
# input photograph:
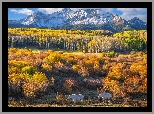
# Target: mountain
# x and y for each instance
(136, 23)
(91, 19)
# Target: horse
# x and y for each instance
(75, 97)
(105, 96)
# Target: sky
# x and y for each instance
(125, 13)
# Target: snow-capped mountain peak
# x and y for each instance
(82, 16)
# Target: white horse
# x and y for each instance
(104, 96)
(75, 97)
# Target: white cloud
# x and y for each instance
(52, 10)
(75, 9)
(104, 9)
(49, 10)
(107, 9)
(22, 11)
(129, 13)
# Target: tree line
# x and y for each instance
(92, 41)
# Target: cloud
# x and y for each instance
(49, 10)
(104, 9)
(52, 10)
(22, 11)
(75, 9)
(107, 9)
(129, 13)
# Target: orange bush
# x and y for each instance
(132, 83)
(112, 86)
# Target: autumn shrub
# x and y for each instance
(83, 72)
(59, 65)
(139, 54)
(80, 57)
(37, 80)
(14, 84)
(141, 68)
(15, 67)
(12, 69)
(46, 67)
(96, 66)
(89, 64)
(70, 61)
(68, 85)
(18, 64)
(112, 86)
(107, 60)
(19, 52)
(29, 70)
(143, 86)
(25, 71)
(115, 73)
(23, 52)
(12, 50)
(60, 99)
(144, 59)
(52, 58)
(76, 67)
(37, 63)
(29, 60)
(106, 67)
(39, 84)
(29, 90)
(132, 84)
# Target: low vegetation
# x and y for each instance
(46, 77)
(29, 73)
